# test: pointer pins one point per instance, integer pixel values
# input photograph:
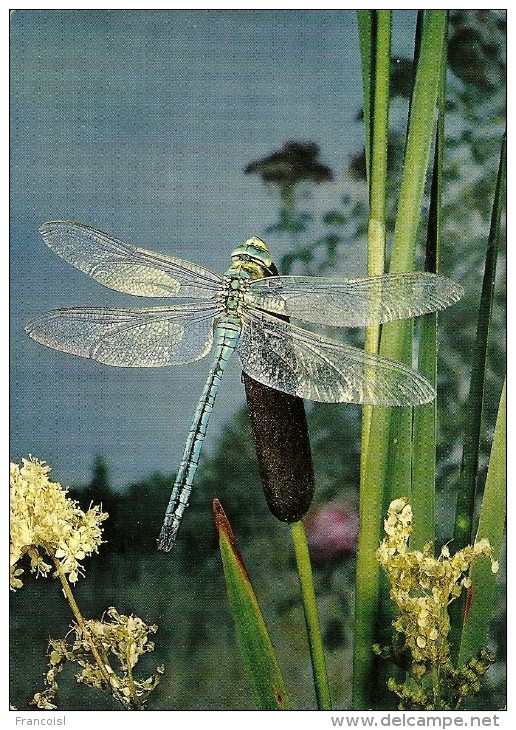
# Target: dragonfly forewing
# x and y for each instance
(308, 365)
(354, 302)
(126, 268)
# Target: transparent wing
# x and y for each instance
(299, 362)
(121, 266)
(354, 302)
(151, 337)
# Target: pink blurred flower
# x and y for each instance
(332, 530)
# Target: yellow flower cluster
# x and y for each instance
(423, 586)
(44, 521)
(125, 637)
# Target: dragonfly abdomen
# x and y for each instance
(227, 336)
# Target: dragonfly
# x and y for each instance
(248, 311)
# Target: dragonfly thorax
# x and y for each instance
(236, 282)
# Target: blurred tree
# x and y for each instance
(99, 487)
(295, 162)
(295, 166)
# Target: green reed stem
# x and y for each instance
(313, 628)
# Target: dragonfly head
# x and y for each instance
(253, 256)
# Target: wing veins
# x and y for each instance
(378, 380)
(153, 317)
(125, 267)
(105, 334)
(354, 302)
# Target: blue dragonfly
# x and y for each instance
(246, 311)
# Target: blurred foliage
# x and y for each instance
(295, 162)
(185, 595)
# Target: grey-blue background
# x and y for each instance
(140, 123)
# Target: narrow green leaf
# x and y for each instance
(491, 526)
(379, 130)
(391, 429)
(421, 127)
(367, 570)
(257, 650)
(365, 33)
(424, 442)
(425, 417)
(396, 341)
(469, 467)
(380, 118)
(395, 425)
(463, 533)
(375, 53)
(313, 628)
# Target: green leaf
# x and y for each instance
(386, 467)
(424, 437)
(469, 467)
(463, 533)
(335, 218)
(257, 650)
(313, 628)
(365, 34)
(490, 525)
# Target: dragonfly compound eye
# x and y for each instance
(254, 250)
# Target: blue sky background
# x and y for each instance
(140, 123)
